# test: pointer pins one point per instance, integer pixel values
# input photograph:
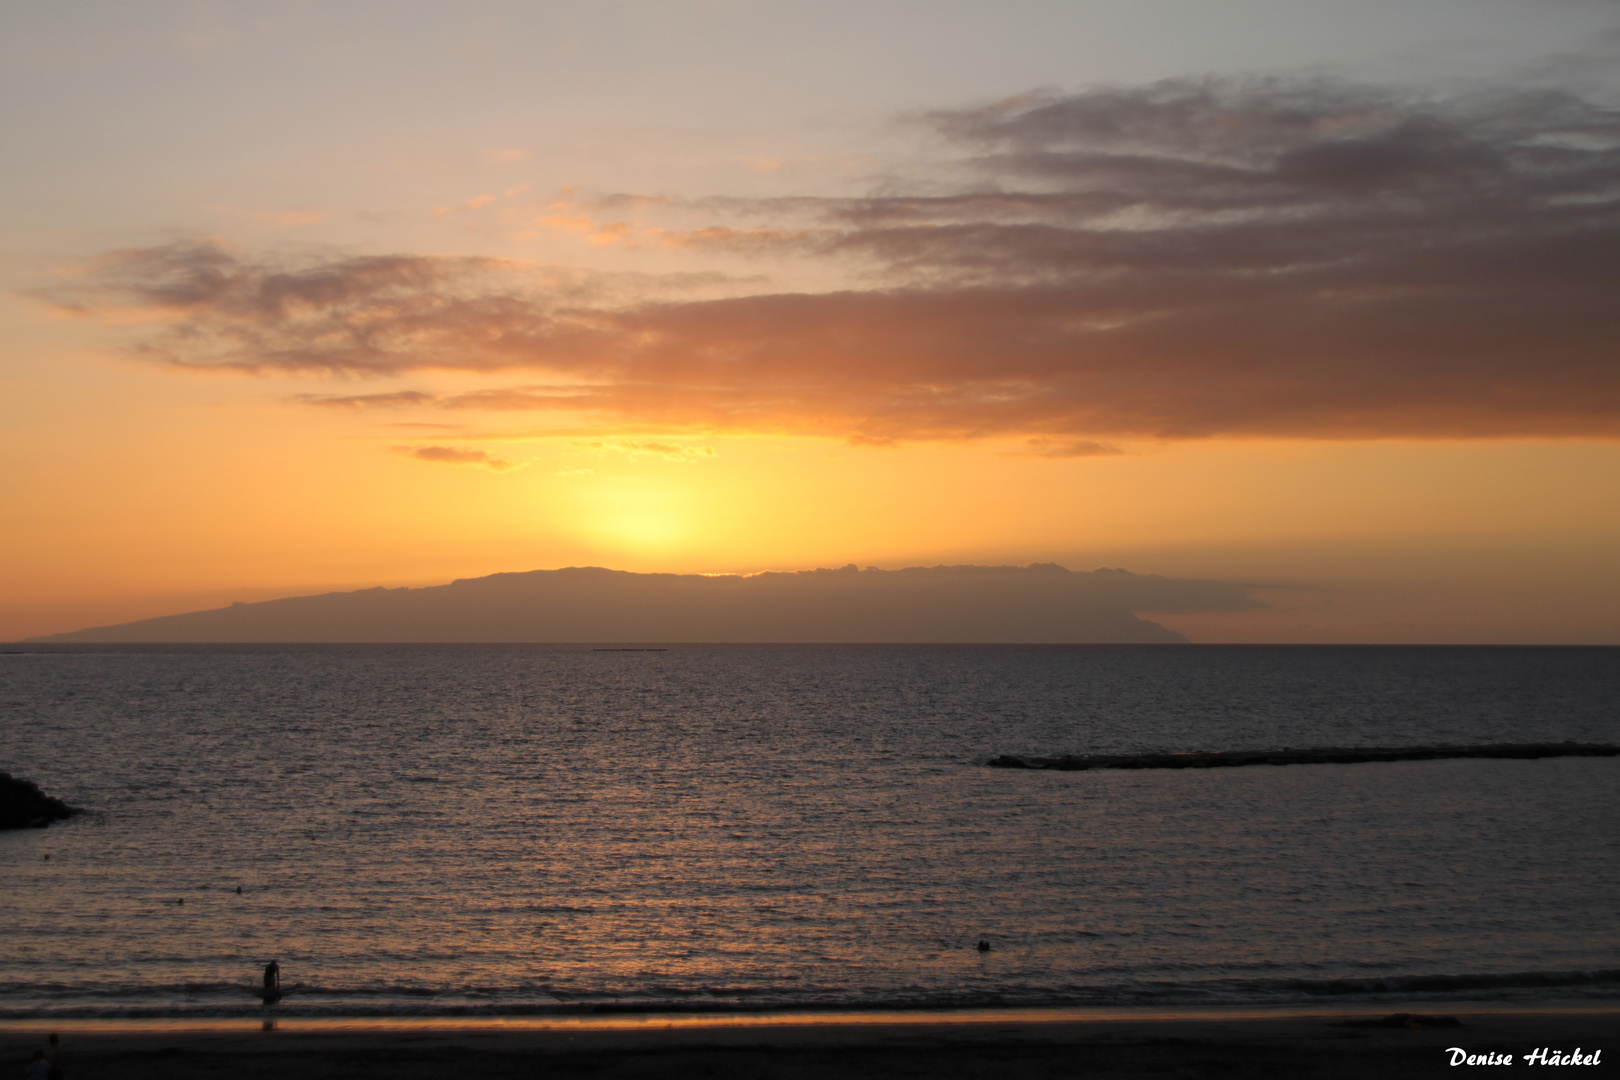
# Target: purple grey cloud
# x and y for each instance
(1186, 259)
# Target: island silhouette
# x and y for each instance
(1039, 603)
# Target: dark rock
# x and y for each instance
(24, 806)
(1331, 755)
(1404, 1020)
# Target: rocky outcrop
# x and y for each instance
(24, 806)
(1332, 755)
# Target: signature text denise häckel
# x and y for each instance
(1540, 1056)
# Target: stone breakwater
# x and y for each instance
(24, 806)
(1331, 755)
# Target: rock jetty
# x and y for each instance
(1331, 755)
(24, 806)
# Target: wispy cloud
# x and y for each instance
(369, 401)
(1182, 260)
(1065, 448)
(667, 451)
(449, 455)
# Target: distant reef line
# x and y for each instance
(1330, 755)
(1042, 603)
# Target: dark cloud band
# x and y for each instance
(1181, 260)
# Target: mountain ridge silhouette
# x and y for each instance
(1039, 603)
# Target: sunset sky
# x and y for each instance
(1319, 296)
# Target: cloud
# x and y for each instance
(1181, 260)
(449, 455)
(1065, 448)
(363, 401)
(667, 451)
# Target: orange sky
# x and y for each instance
(1345, 336)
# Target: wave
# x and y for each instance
(1406, 984)
(224, 1000)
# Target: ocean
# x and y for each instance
(511, 830)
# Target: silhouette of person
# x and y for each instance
(38, 1068)
(54, 1056)
(272, 982)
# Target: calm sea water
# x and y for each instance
(449, 830)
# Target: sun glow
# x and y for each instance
(642, 519)
(612, 313)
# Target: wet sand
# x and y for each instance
(843, 1046)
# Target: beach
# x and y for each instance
(981, 1043)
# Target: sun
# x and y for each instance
(638, 518)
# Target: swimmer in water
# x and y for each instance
(272, 982)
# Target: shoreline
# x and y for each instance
(1328, 1042)
(876, 1016)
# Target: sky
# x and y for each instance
(1315, 296)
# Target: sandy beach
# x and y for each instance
(845, 1045)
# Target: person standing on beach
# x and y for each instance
(37, 1068)
(54, 1057)
(272, 982)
